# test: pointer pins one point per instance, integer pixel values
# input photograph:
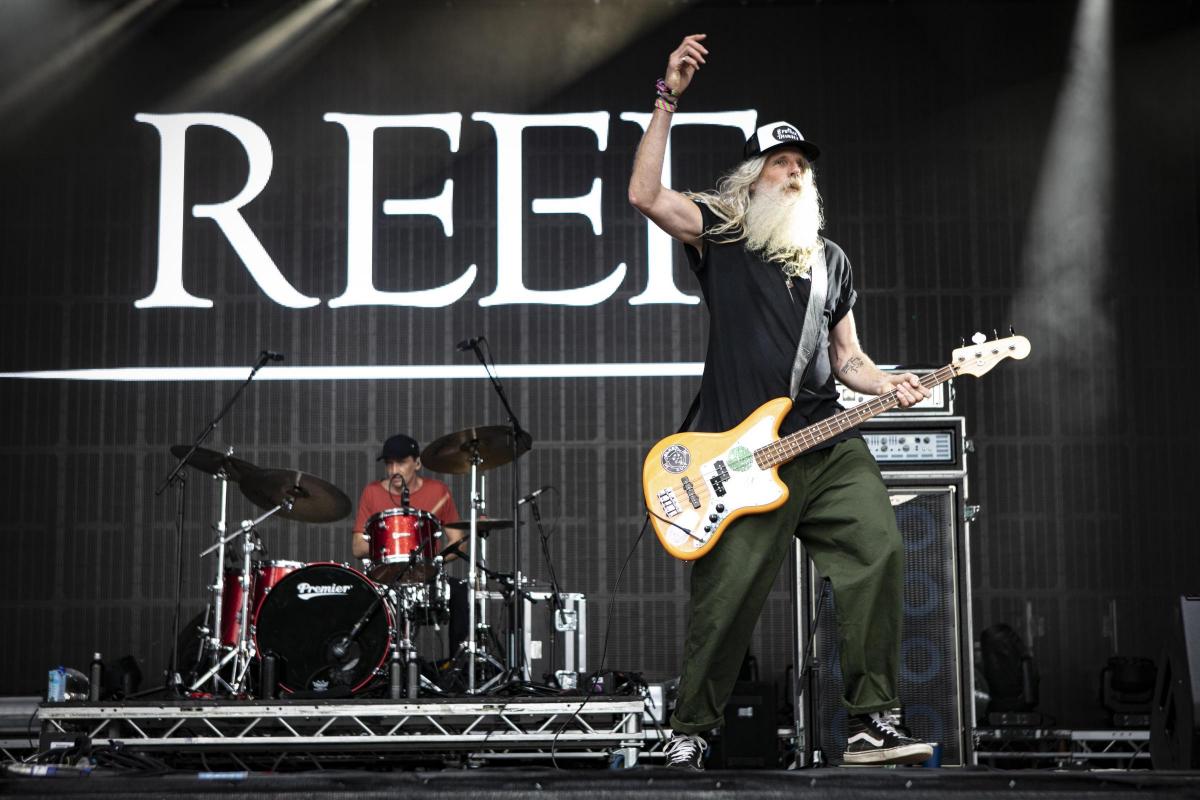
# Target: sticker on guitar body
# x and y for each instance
(721, 486)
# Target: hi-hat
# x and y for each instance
(214, 463)
(484, 526)
(311, 499)
(491, 445)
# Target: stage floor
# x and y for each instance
(641, 782)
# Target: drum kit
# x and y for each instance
(327, 628)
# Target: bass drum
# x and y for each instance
(306, 621)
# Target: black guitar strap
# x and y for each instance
(815, 330)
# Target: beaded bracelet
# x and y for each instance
(667, 100)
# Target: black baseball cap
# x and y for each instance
(398, 448)
(774, 135)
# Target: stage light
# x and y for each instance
(1066, 257)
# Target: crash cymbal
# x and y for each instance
(452, 452)
(214, 463)
(313, 499)
(484, 526)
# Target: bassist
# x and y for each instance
(753, 244)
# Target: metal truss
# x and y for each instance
(601, 727)
(1112, 749)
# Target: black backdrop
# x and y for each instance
(934, 118)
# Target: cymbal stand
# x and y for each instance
(242, 653)
(217, 588)
(477, 504)
(175, 477)
(515, 655)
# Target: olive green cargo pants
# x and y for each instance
(839, 508)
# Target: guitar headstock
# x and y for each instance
(976, 359)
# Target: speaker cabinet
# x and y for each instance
(1175, 710)
(935, 669)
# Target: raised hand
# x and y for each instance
(684, 61)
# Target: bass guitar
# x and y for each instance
(695, 484)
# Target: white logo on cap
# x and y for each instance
(786, 133)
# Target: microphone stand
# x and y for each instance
(174, 680)
(516, 643)
(555, 592)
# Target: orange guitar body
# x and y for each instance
(695, 484)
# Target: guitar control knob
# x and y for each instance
(713, 517)
(707, 528)
(720, 508)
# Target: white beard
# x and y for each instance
(784, 225)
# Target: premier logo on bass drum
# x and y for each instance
(675, 459)
(307, 591)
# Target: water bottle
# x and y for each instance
(56, 690)
(94, 679)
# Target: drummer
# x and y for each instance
(401, 458)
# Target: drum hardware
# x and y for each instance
(240, 652)
(225, 468)
(517, 442)
(559, 609)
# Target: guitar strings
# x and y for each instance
(796, 443)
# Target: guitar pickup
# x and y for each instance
(718, 480)
(693, 498)
(666, 499)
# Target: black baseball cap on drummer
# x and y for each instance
(774, 135)
(398, 448)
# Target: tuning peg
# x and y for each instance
(962, 340)
(1011, 331)
(979, 338)
(994, 334)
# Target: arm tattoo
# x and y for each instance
(852, 365)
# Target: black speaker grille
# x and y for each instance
(929, 655)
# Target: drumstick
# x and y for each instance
(438, 506)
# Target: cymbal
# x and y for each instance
(313, 499)
(452, 453)
(484, 526)
(214, 463)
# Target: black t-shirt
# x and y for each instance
(754, 329)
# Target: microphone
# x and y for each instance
(341, 647)
(404, 492)
(468, 344)
(270, 355)
(529, 497)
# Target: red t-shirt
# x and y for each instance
(429, 497)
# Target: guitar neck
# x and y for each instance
(785, 449)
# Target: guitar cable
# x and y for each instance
(612, 602)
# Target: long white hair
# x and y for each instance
(782, 229)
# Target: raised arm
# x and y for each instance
(855, 369)
(675, 214)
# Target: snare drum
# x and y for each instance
(263, 576)
(403, 544)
